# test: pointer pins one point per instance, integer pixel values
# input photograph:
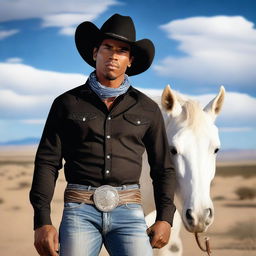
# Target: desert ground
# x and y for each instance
(233, 232)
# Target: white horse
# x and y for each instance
(194, 142)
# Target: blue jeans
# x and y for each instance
(84, 229)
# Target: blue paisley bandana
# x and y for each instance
(106, 92)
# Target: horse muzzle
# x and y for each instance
(198, 222)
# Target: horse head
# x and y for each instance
(194, 141)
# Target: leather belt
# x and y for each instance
(105, 197)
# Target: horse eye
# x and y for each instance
(216, 150)
(173, 150)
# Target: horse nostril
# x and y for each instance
(210, 213)
(209, 216)
(189, 216)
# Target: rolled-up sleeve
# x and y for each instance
(48, 161)
(162, 169)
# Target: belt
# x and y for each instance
(105, 197)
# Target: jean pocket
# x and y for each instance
(70, 206)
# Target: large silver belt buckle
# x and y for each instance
(106, 198)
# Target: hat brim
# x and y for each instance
(88, 36)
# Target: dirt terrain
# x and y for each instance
(232, 233)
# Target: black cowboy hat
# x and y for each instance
(117, 27)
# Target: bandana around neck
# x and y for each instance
(106, 92)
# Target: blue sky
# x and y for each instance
(200, 45)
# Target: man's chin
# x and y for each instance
(110, 77)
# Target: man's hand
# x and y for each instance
(46, 240)
(159, 234)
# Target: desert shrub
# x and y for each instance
(24, 184)
(16, 208)
(246, 193)
(243, 230)
(219, 198)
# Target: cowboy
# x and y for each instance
(101, 129)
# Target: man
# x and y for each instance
(101, 129)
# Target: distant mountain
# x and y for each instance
(236, 155)
(228, 155)
(25, 141)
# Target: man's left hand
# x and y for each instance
(159, 234)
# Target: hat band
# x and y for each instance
(119, 37)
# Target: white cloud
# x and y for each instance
(151, 92)
(218, 50)
(27, 80)
(33, 121)
(57, 13)
(65, 19)
(27, 92)
(237, 111)
(67, 31)
(6, 33)
(14, 60)
(19, 106)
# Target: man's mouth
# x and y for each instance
(112, 65)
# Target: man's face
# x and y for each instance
(112, 59)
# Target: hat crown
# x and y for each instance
(117, 27)
(121, 27)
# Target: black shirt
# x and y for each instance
(102, 146)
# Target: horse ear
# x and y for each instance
(214, 107)
(169, 102)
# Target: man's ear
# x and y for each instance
(95, 52)
(131, 60)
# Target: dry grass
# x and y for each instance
(21, 185)
(245, 171)
(244, 230)
(17, 162)
(245, 193)
(244, 233)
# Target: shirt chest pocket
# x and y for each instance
(82, 116)
(136, 120)
(136, 124)
(79, 124)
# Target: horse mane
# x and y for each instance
(192, 113)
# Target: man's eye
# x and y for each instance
(124, 50)
(105, 46)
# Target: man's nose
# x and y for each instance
(113, 56)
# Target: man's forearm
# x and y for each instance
(41, 194)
